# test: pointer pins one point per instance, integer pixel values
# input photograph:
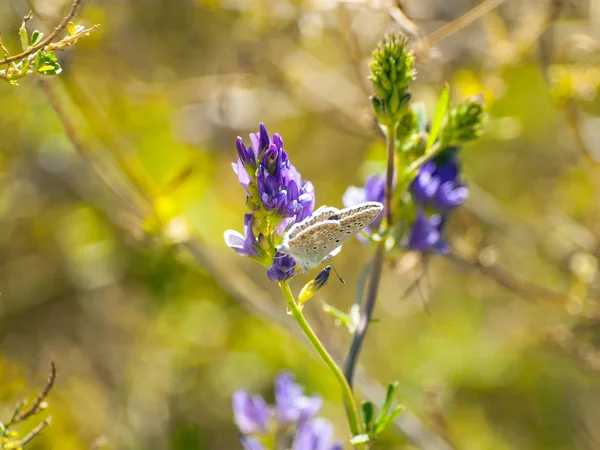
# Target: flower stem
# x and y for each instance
(349, 400)
(389, 176)
(367, 309)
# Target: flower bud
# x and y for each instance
(464, 122)
(392, 72)
(311, 288)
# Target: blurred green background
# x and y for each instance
(112, 262)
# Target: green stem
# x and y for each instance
(351, 408)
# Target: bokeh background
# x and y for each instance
(116, 187)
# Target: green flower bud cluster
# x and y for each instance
(392, 72)
(464, 123)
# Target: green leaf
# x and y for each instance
(24, 38)
(360, 439)
(382, 425)
(36, 37)
(46, 67)
(438, 118)
(339, 315)
(387, 404)
(367, 414)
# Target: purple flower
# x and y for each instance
(292, 405)
(272, 197)
(245, 245)
(315, 435)
(449, 195)
(250, 443)
(250, 412)
(282, 268)
(292, 422)
(426, 233)
(438, 183)
(425, 185)
(275, 192)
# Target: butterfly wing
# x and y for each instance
(312, 240)
(320, 215)
(365, 212)
(312, 244)
(352, 220)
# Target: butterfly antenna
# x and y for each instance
(336, 272)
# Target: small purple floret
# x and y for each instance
(426, 233)
(292, 404)
(282, 268)
(250, 412)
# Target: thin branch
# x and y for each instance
(467, 18)
(3, 47)
(35, 407)
(74, 6)
(36, 431)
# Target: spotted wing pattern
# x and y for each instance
(312, 240)
(320, 215)
(310, 246)
(351, 222)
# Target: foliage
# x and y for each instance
(117, 186)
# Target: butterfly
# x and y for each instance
(320, 235)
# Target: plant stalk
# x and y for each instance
(366, 312)
(351, 407)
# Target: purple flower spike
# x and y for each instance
(249, 443)
(250, 412)
(282, 268)
(243, 245)
(292, 404)
(276, 192)
(314, 435)
(426, 233)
